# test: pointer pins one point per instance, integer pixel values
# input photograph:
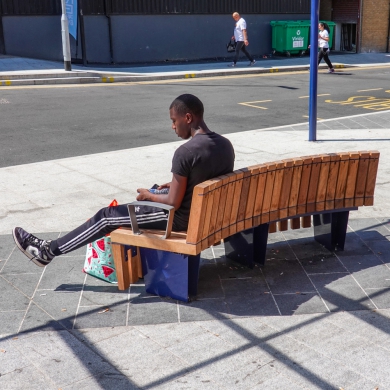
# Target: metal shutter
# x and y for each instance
(345, 11)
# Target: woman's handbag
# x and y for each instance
(98, 260)
(231, 46)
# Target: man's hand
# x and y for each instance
(166, 185)
(143, 194)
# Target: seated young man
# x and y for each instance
(203, 157)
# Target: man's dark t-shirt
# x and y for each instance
(201, 158)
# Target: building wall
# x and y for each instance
(375, 24)
(140, 38)
(325, 9)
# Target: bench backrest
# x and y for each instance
(280, 190)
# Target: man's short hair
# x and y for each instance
(188, 103)
(236, 14)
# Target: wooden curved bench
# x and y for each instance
(240, 208)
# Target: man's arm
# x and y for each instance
(175, 196)
(245, 34)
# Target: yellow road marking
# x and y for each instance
(367, 90)
(323, 94)
(250, 104)
(271, 73)
(319, 119)
(367, 102)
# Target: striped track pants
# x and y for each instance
(104, 222)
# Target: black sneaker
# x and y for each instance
(34, 248)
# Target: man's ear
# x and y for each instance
(189, 118)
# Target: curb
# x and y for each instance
(79, 77)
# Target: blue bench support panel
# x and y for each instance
(170, 274)
(330, 229)
(248, 247)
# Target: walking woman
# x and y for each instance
(323, 44)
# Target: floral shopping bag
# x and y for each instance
(98, 260)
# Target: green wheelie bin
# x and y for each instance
(290, 37)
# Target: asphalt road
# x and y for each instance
(39, 124)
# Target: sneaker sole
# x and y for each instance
(29, 255)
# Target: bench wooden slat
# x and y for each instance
(269, 186)
(322, 182)
(250, 205)
(349, 199)
(332, 181)
(295, 184)
(283, 225)
(153, 238)
(286, 188)
(243, 200)
(304, 185)
(341, 180)
(236, 202)
(221, 207)
(306, 221)
(371, 178)
(295, 223)
(209, 199)
(313, 184)
(214, 213)
(230, 188)
(122, 272)
(272, 227)
(276, 192)
(361, 179)
(261, 183)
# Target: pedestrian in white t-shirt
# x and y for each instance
(241, 38)
(323, 45)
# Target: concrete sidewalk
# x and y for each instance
(310, 319)
(24, 71)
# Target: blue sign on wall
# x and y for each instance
(71, 14)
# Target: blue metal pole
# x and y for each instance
(313, 70)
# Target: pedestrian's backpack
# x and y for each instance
(98, 260)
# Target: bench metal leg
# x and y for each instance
(249, 246)
(170, 274)
(330, 229)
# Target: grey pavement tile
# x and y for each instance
(26, 378)
(248, 297)
(107, 380)
(322, 263)
(381, 249)
(287, 276)
(286, 324)
(241, 332)
(61, 306)
(367, 358)
(277, 383)
(202, 350)
(15, 300)
(203, 310)
(63, 271)
(25, 283)
(38, 320)
(97, 292)
(209, 284)
(10, 322)
(191, 381)
(167, 335)
(100, 317)
(372, 325)
(341, 292)
(152, 310)
(380, 297)
(10, 358)
(57, 354)
(365, 384)
(91, 336)
(7, 245)
(353, 246)
(369, 229)
(300, 303)
(244, 376)
(308, 247)
(230, 269)
(279, 251)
